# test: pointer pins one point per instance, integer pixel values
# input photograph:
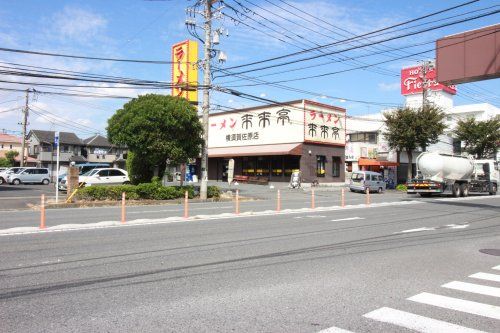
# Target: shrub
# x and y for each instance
(147, 190)
(401, 187)
(166, 193)
(213, 192)
(153, 191)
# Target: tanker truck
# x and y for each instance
(451, 174)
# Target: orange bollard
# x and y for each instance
(313, 205)
(278, 202)
(237, 208)
(42, 212)
(123, 208)
(342, 197)
(367, 196)
(186, 208)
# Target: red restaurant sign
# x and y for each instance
(411, 81)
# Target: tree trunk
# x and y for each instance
(398, 160)
(409, 152)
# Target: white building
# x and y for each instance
(365, 133)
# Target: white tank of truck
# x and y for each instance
(439, 167)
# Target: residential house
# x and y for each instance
(99, 150)
(41, 147)
(10, 142)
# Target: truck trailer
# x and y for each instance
(452, 174)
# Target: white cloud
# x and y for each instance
(77, 24)
(389, 86)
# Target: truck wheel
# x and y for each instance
(455, 190)
(464, 190)
(493, 190)
(45, 182)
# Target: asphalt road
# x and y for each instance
(351, 269)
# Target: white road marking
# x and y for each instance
(415, 230)
(416, 322)
(174, 210)
(486, 276)
(195, 218)
(335, 330)
(457, 226)
(457, 304)
(473, 288)
(349, 219)
(497, 267)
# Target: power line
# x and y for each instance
(72, 56)
(355, 37)
(361, 67)
(300, 38)
(363, 45)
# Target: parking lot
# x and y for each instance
(23, 195)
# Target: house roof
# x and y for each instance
(64, 137)
(9, 138)
(97, 141)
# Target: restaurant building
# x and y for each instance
(272, 141)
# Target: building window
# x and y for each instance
(457, 146)
(2, 145)
(320, 165)
(10, 146)
(335, 166)
(370, 137)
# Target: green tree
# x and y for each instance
(409, 128)
(157, 129)
(4, 162)
(11, 156)
(481, 138)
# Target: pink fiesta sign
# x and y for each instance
(411, 81)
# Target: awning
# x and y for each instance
(374, 162)
(263, 150)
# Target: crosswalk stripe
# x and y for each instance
(416, 322)
(335, 330)
(473, 288)
(480, 309)
(486, 276)
(497, 267)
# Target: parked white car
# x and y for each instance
(100, 176)
(5, 173)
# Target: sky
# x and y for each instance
(257, 30)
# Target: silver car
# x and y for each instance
(30, 175)
(5, 173)
(362, 180)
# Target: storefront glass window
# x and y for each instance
(335, 166)
(291, 163)
(248, 166)
(262, 168)
(277, 166)
(320, 166)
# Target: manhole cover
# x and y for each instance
(493, 252)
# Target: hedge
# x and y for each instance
(154, 191)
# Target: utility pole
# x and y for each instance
(206, 96)
(25, 120)
(425, 69)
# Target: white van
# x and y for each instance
(361, 180)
